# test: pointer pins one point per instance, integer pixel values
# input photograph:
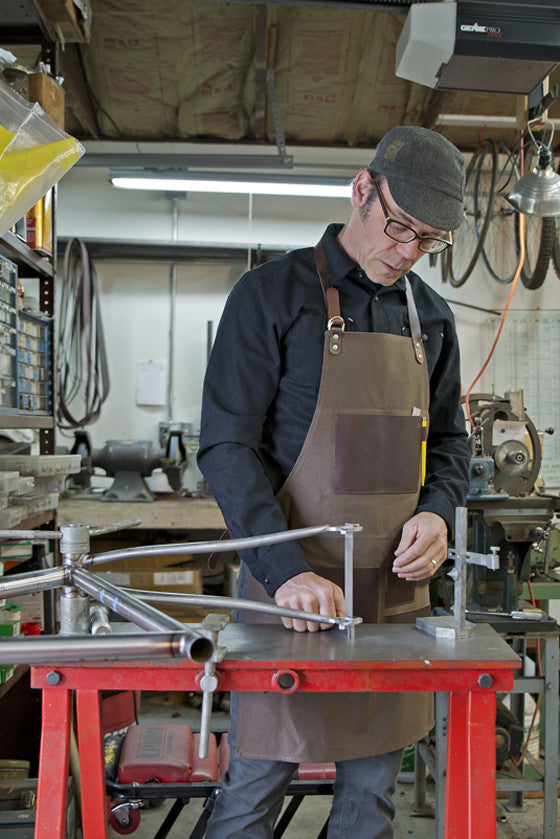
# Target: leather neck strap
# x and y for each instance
(332, 302)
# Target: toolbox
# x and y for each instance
(18, 798)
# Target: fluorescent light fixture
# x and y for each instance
(241, 184)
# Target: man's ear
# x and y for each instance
(361, 188)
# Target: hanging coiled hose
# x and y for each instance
(81, 358)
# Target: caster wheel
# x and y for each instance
(129, 827)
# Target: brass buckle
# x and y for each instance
(337, 322)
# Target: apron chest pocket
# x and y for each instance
(377, 453)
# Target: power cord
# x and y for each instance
(81, 359)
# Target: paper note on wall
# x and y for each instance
(526, 357)
(151, 381)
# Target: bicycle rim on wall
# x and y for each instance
(480, 185)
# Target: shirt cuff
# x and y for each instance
(276, 564)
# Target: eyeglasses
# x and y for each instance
(400, 232)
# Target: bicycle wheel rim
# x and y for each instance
(469, 239)
(539, 240)
(539, 244)
(500, 252)
(556, 245)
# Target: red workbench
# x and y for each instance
(265, 657)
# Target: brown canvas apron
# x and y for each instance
(360, 462)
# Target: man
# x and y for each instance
(330, 370)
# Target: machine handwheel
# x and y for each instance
(129, 827)
(486, 408)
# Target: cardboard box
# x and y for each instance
(49, 94)
(32, 607)
(165, 573)
(179, 579)
(182, 573)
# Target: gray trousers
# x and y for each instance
(252, 794)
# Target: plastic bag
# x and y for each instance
(34, 154)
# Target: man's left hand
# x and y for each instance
(423, 547)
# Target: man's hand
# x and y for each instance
(310, 593)
(423, 547)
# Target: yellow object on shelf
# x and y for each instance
(38, 232)
(34, 154)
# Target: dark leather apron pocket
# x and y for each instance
(398, 592)
(377, 453)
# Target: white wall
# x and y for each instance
(135, 297)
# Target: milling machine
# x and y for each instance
(507, 507)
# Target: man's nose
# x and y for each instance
(409, 250)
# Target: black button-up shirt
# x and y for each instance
(262, 382)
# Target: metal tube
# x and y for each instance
(51, 648)
(216, 546)
(172, 309)
(476, 120)
(460, 597)
(34, 535)
(32, 581)
(99, 620)
(349, 580)
(215, 601)
(208, 683)
(209, 338)
(112, 528)
(124, 603)
(147, 617)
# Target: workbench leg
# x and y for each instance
(551, 711)
(470, 811)
(442, 716)
(92, 767)
(52, 786)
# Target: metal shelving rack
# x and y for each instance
(32, 264)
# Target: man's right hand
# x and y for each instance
(309, 592)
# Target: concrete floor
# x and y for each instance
(313, 811)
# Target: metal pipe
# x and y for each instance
(112, 528)
(52, 648)
(99, 623)
(33, 535)
(32, 581)
(349, 580)
(73, 604)
(172, 308)
(209, 338)
(215, 601)
(200, 647)
(489, 121)
(216, 546)
(460, 597)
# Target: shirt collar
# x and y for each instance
(341, 266)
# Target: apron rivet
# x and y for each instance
(335, 346)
